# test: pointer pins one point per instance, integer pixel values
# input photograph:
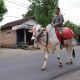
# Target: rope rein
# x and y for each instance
(47, 38)
(42, 36)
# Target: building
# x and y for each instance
(15, 33)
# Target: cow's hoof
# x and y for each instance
(60, 65)
(42, 69)
(71, 62)
(67, 63)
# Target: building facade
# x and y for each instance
(15, 33)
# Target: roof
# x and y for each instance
(25, 25)
(14, 23)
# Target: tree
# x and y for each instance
(42, 10)
(3, 9)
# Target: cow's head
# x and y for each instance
(36, 30)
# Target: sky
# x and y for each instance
(71, 10)
(16, 8)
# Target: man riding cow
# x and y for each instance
(57, 23)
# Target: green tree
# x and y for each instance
(42, 10)
(3, 9)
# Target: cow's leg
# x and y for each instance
(45, 60)
(58, 55)
(69, 49)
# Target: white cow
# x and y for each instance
(47, 41)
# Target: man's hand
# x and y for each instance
(53, 25)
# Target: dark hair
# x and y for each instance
(57, 8)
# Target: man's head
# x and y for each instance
(57, 10)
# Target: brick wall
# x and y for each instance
(8, 38)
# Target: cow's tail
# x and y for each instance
(73, 53)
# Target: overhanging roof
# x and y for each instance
(17, 22)
(22, 27)
(26, 25)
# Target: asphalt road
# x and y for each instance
(26, 65)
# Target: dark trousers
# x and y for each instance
(62, 40)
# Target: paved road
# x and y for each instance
(26, 64)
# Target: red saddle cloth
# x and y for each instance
(67, 33)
